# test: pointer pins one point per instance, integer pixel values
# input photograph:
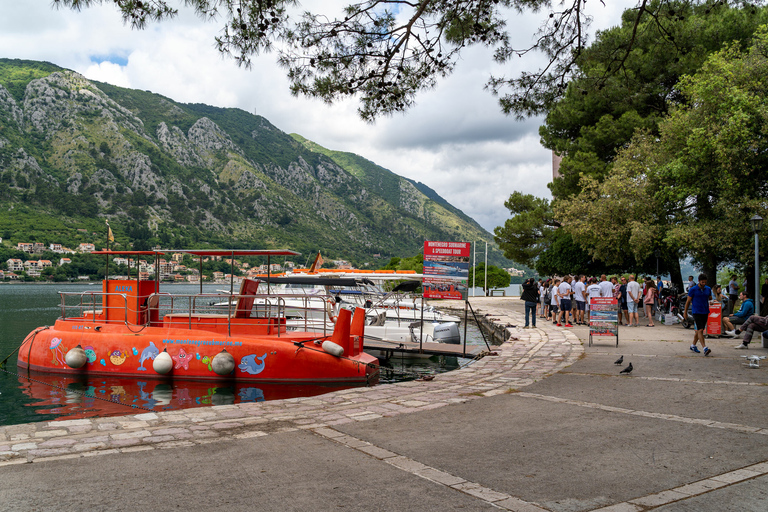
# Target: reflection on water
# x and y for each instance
(41, 397)
(83, 397)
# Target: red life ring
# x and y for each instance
(329, 310)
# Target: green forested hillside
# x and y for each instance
(74, 153)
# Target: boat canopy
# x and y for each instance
(320, 281)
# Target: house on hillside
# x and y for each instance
(86, 248)
(15, 265)
(25, 247)
(32, 268)
(64, 261)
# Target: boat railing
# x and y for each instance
(294, 311)
(87, 304)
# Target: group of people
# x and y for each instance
(560, 299)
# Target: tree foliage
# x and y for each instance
(693, 187)
(528, 232)
(615, 93)
(385, 51)
(497, 277)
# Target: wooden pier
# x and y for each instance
(432, 349)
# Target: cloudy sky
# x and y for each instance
(455, 140)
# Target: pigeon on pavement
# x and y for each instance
(627, 370)
(619, 360)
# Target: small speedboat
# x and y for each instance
(131, 328)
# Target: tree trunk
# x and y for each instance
(749, 272)
(675, 274)
(710, 270)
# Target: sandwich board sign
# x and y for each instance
(603, 317)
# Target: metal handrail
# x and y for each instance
(308, 312)
(93, 304)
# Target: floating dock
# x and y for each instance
(432, 349)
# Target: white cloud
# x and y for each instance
(455, 140)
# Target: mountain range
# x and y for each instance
(75, 152)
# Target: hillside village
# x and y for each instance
(179, 268)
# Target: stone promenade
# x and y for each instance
(546, 424)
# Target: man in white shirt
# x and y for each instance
(593, 290)
(689, 283)
(606, 287)
(565, 291)
(579, 288)
(634, 295)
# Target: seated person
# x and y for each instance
(747, 309)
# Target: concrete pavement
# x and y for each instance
(548, 424)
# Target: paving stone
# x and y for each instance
(440, 477)
(620, 507)
(736, 476)
(661, 498)
(481, 492)
(518, 505)
(50, 433)
(69, 423)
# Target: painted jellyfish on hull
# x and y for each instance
(58, 351)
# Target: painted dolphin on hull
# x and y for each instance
(248, 364)
(151, 352)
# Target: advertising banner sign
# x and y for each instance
(714, 327)
(446, 270)
(603, 317)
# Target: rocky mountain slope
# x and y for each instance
(74, 152)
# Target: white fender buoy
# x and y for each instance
(76, 358)
(223, 363)
(333, 348)
(163, 363)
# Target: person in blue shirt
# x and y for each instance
(747, 309)
(698, 298)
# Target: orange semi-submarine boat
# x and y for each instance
(130, 328)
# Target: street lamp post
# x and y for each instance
(757, 224)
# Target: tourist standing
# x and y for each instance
(579, 289)
(623, 301)
(593, 290)
(649, 300)
(606, 288)
(733, 295)
(689, 283)
(554, 300)
(633, 299)
(698, 299)
(763, 302)
(531, 297)
(565, 291)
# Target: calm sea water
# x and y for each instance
(38, 397)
